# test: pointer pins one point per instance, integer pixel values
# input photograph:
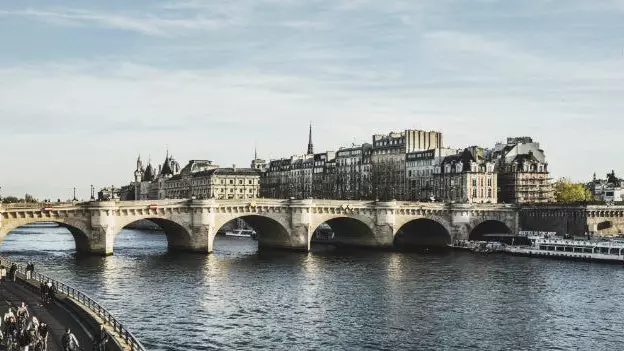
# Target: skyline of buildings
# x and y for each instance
(411, 165)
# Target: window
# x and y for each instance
(240, 181)
(489, 181)
(250, 181)
(474, 192)
(490, 193)
(474, 182)
(231, 181)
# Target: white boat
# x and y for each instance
(557, 247)
(243, 233)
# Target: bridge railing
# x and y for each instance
(132, 342)
(36, 205)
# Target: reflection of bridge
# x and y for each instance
(191, 225)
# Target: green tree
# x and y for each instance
(567, 191)
(29, 198)
(10, 200)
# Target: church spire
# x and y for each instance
(310, 146)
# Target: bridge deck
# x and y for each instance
(57, 317)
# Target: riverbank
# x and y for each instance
(74, 309)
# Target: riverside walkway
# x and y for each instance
(57, 317)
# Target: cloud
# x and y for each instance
(148, 25)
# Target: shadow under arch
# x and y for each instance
(269, 232)
(485, 229)
(422, 233)
(178, 237)
(343, 231)
(79, 234)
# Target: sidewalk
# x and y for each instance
(57, 318)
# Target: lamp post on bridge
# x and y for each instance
(92, 193)
(74, 199)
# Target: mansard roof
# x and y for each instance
(228, 171)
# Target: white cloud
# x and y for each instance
(149, 25)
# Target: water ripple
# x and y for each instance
(237, 299)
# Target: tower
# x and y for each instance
(138, 173)
(310, 146)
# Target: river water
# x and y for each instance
(242, 299)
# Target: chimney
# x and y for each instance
(234, 167)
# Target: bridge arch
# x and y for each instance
(179, 236)
(343, 230)
(489, 226)
(422, 233)
(271, 232)
(77, 228)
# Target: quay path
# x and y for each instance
(57, 317)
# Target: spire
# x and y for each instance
(139, 163)
(255, 152)
(310, 146)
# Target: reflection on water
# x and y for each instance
(241, 299)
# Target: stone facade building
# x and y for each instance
(522, 172)
(466, 177)
(353, 172)
(420, 167)
(198, 179)
(388, 160)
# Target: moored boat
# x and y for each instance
(557, 247)
(242, 233)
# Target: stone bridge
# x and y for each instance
(191, 225)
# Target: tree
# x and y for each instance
(10, 200)
(567, 191)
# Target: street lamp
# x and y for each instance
(92, 193)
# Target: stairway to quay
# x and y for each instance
(70, 308)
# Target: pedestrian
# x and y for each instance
(50, 291)
(101, 340)
(13, 271)
(24, 339)
(69, 341)
(43, 333)
(30, 267)
(3, 272)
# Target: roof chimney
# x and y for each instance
(234, 167)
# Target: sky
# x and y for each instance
(85, 87)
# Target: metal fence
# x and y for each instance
(59, 287)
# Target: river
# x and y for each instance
(241, 299)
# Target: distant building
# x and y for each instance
(353, 169)
(388, 157)
(466, 177)
(200, 179)
(420, 167)
(522, 170)
(300, 176)
(607, 190)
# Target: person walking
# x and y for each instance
(43, 334)
(24, 339)
(101, 340)
(30, 267)
(69, 341)
(13, 271)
